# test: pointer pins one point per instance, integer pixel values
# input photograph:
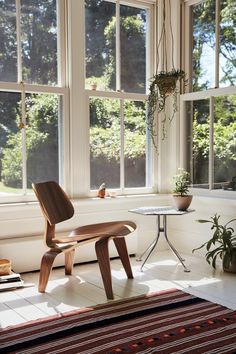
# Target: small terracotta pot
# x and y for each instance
(94, 87)
(102, 193)
(167, 85)
(182, 202)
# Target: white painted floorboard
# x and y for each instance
(85, 287)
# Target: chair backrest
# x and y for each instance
(54, 202)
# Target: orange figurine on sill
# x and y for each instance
(102, 191)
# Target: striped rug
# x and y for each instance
(165, 322)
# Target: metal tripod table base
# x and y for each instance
(164, 212)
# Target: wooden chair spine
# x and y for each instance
(49, 235)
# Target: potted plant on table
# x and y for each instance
(182, 182)
(222, 244)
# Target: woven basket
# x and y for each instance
(5, 267)
(167, 85)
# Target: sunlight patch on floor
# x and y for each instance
(196, 283)
(52, 284)
(157, 284)
(166, 262)
(203, 281)
(161, 263)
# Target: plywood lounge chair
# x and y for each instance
(56, 208)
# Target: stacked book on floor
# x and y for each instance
(10, 281)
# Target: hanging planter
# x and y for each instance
(165, 85)
(166, 82)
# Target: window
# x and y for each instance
(72, 110)
(31, 100)
(210, 115)
(117, 71)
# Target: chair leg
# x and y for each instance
(45, 268)
(69, 261)
(123, 254)
(102, 252)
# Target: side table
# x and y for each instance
(161, 211)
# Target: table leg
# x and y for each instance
(152, 245)
(171, 246)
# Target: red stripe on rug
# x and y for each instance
(166, 322)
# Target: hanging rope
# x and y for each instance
(172, 37)
(165, 84)
(160, 40)
(163, 41)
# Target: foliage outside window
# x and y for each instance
(214, 44)
(116, 57)
(29, 143)
(106, 145)
(211, 106)
(116, 62)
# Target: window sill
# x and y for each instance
(216, 193)
(28, 210)
(119, 202)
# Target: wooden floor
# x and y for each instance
(84, 288)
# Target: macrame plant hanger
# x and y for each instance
(166, 83)
(163, 40)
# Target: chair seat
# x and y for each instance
(95, 231)
(106, 229)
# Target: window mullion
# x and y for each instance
(118, 69)
(23, 137)
(18, 38)
(62, 44)
(217, 47)
(122, 142)
(189, 39)
(23, 114)
(211, 143)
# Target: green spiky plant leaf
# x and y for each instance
(222, 244)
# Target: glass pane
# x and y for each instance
(8, 54)
(203, 45)
(104, 143)
(228, 43)
(200, 143)
(42, 138)
(10, 144)
(133, 49)
(39, 41)
(225, 143)
(135, 144)
(100, 59)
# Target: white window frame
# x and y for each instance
(75, 163)
(60, 89)
(79, 102)
(210, 94)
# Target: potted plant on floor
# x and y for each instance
(181, 196)
(222, 244)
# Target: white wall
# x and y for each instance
(186, 233)
(22, 227)
(21, 232)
